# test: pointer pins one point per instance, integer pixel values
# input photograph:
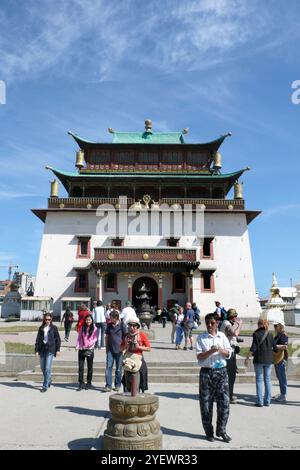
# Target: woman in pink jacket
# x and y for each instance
(87, 338)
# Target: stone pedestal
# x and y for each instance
(133, 425)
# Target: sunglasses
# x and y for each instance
(48, 319)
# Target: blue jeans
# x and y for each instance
(110, 359)
(263, 374)
(281, 376)
(46, 364)
(101, 332)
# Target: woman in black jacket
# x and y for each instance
(47, 346)
(262, 349)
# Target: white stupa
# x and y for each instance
(274, 311)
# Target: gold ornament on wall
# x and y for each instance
(111, 256)
(145, 256)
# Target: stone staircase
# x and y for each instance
(158, 372)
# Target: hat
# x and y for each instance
(279, 323)
(176, 305)
(134, 322)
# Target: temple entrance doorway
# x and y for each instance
(150, 284)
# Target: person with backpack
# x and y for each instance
(232, 328)
(67, 319)
(221, 312)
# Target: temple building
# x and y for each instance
(147, 208)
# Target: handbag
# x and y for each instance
(87, 352)
(278, 357)
(132, 362)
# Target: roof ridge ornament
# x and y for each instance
(111, 131)
(148, 126)
(186, 130)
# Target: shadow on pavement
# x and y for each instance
(191, 396)
(175, 432)
(84, 411)
(20, 385)
(87, 443)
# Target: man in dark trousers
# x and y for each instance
(213, 349)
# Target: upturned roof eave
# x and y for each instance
(87, 144)
(66, 178)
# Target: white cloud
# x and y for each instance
(15, 195)
(280, 210)
(94, 40)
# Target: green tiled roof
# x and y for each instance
(148, 138)
(155, 138)
(184, 177)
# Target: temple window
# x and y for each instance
(207, 248)
(82, 281)
(83, 247)
(96, 157)
(174, 158)
(207, 281)
(178, 282)
(76, 192)
(110, 282)
(197, 158)
(125, 158)
(150, 158)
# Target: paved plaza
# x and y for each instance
(63, 418)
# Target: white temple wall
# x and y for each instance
(234, 280)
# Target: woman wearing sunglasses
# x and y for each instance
(47, 346)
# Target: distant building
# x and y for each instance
(25, 281)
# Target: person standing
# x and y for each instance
(87, 338)
(47, 346)
(136, 342)
(188, 324)
(232, 328)
(262, 349)
(100, 322)
(213, 349)
(164, 317)
(128, 313)
(178, 320)
(280, 359)
(83, 311)
(196, 313)
(172, 313)
(115, 334)
(222, 314)
(67, 319)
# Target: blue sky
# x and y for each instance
(210, 65)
